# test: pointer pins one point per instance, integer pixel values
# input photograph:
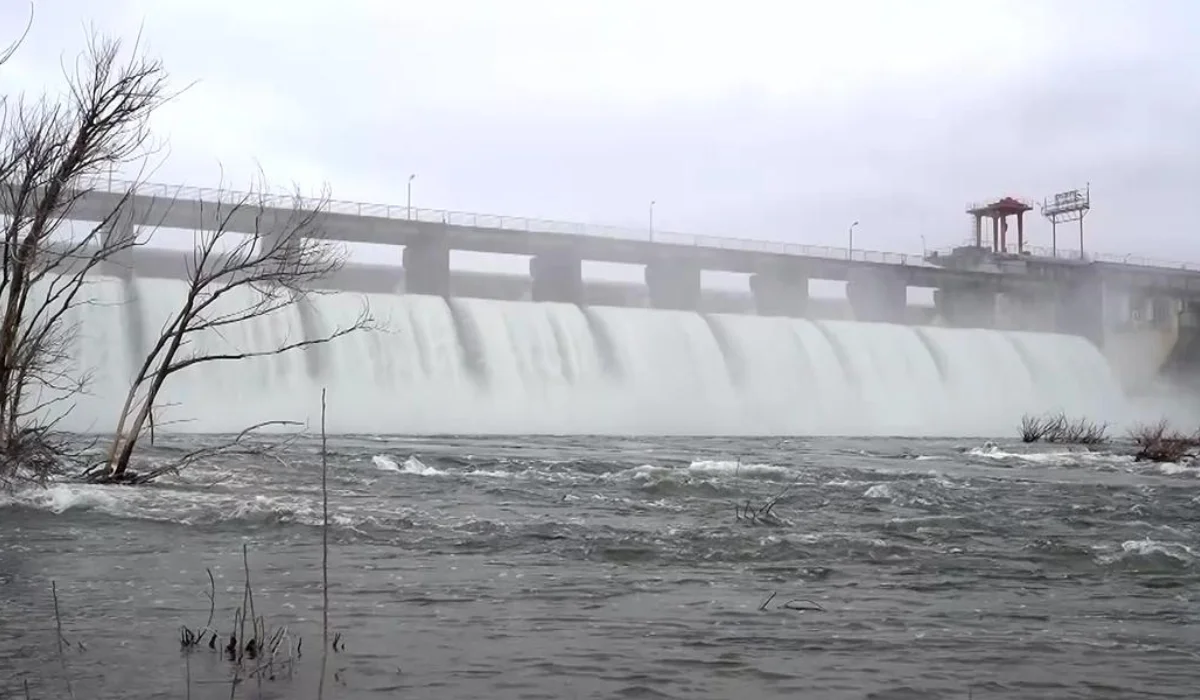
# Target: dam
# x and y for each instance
(456, 365)
(552, 354)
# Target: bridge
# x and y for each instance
(969, 281)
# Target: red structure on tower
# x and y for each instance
(999, 211)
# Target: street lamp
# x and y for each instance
(652, 221)
(850, 248)
(410, 179)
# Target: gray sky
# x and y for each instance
(777, 120)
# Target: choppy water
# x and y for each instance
(610, 568)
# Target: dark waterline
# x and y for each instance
(602, 567)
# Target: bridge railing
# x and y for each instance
(1143, 261)
(495, 221)
(530, 225)
(1074, 255)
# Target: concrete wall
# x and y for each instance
(1139, 352)
(1144, 338)
(1182, 365)
(1027, 312)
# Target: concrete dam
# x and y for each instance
(457, 352)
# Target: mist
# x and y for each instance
(491, 366)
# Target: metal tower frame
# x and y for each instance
(1071, 205)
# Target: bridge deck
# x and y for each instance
(357, 222)
(202, 209)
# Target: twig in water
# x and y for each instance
(62, 658)
(240, 618)
(766, 602)
(796, 604)
(762, 514)
(189, 639)
(232, 650)
(253, 644)
(212, 599)
(324, 554)
(252, 647)
(238, 646)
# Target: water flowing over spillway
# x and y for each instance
(481, 366)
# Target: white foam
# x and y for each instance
(385, 463)
(1148, 547)
(412, 465)
(879, 492)
(1172, 469)
(1053, 457)
(60, 498)
(486, 366)
(734, 468)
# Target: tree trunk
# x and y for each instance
(125, 440)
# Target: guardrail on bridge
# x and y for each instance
(534, 225)
(500, 222)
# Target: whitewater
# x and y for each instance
(599, 567)
(432, 365)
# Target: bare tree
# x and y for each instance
(51, 150)
(253, 258)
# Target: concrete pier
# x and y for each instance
(967, 306)
(877, 294)
(557, 276)
(673, 283)
(779, 294)
(119, 234)
(1024, 310)
(1079, 307)
(427, 266)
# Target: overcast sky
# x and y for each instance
(778, 120)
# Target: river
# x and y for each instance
(487, 567)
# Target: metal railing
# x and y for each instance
(498, 222)
(1073, 255)
(1143, 261)
(533, 225)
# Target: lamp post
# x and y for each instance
(410, 179)
(652, 221)
(850, 248)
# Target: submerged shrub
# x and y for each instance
(1160, 443)
(1057, 428)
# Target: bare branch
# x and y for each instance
(62, 657)
(764, 513)
(8, 51)
(236, 445)
(278, 350)
(252, 259)
(51, 150)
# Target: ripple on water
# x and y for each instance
(571, 567)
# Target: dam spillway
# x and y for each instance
(437, 365)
